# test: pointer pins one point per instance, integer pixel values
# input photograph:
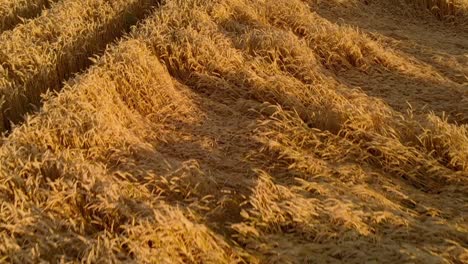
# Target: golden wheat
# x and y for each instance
(126, 74)
(233, 132)
(12, 11)
(42, 53)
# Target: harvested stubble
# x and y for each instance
(126, 163)
(12, 11)
(42, 53)
(449, 10)
(442, 8)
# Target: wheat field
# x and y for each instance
(40, 54)
(13, 12)
(235, 131)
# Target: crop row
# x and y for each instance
(39, 55)
(11, 11)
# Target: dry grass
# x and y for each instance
(234, 132)
(13, 11)
(40, 54)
